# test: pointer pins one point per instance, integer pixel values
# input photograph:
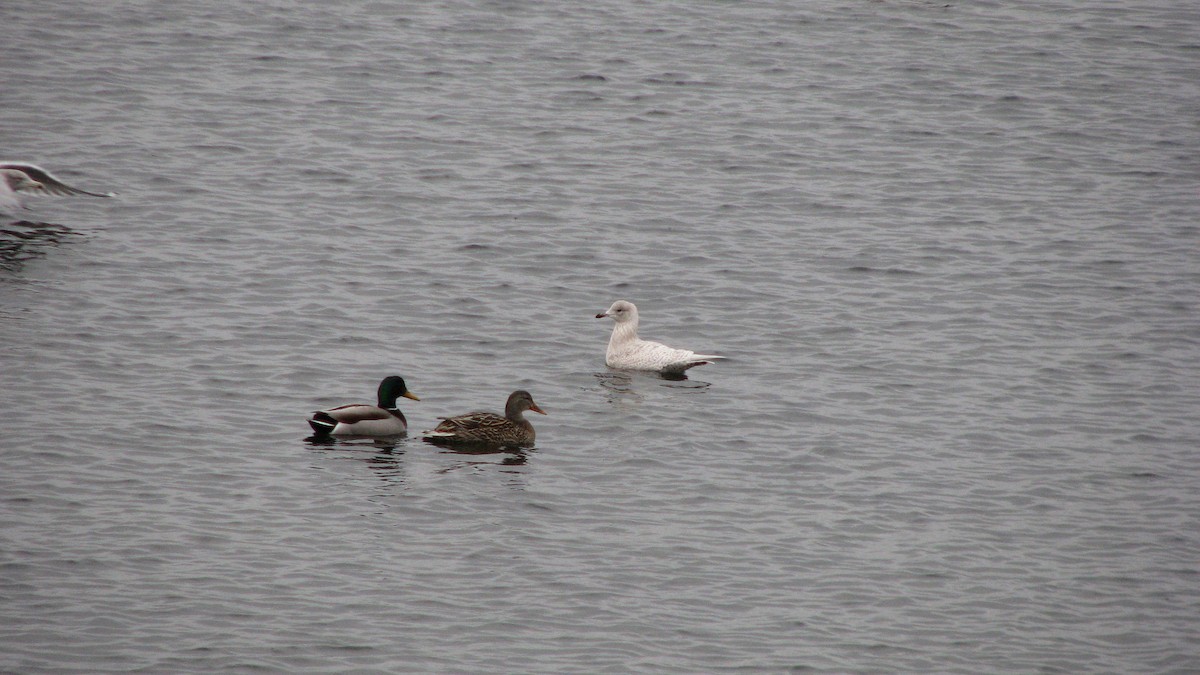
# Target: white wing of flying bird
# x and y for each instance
(16, 177)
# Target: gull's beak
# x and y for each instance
(601, 315)
(533, 406)
(409, 394)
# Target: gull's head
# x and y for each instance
(621, 311)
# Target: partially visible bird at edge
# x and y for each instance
(19, 177)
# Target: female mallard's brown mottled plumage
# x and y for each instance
(490, 428)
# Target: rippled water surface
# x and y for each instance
(951, 251)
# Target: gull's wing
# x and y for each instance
(49, 182)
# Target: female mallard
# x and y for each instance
(361, 419)
(490, 428)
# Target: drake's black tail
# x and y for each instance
(322, 423)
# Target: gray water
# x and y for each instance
(951, 251)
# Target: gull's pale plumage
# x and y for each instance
(362, 419)
(16, 177)
(489, 428)
(629, 352)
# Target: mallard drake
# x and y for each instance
(18, 176)
(627, 351)
(489, 428)
(361, 419)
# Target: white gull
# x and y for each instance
(19, 176)
(627, 351)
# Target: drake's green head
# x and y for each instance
(391, 388)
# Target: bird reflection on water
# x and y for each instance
(380, 454)
(23, 240)
(385, 457)
(620, 386)
(512, 457)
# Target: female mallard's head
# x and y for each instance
(391, 388)
(518, 402)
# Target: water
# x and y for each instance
(951, 251)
